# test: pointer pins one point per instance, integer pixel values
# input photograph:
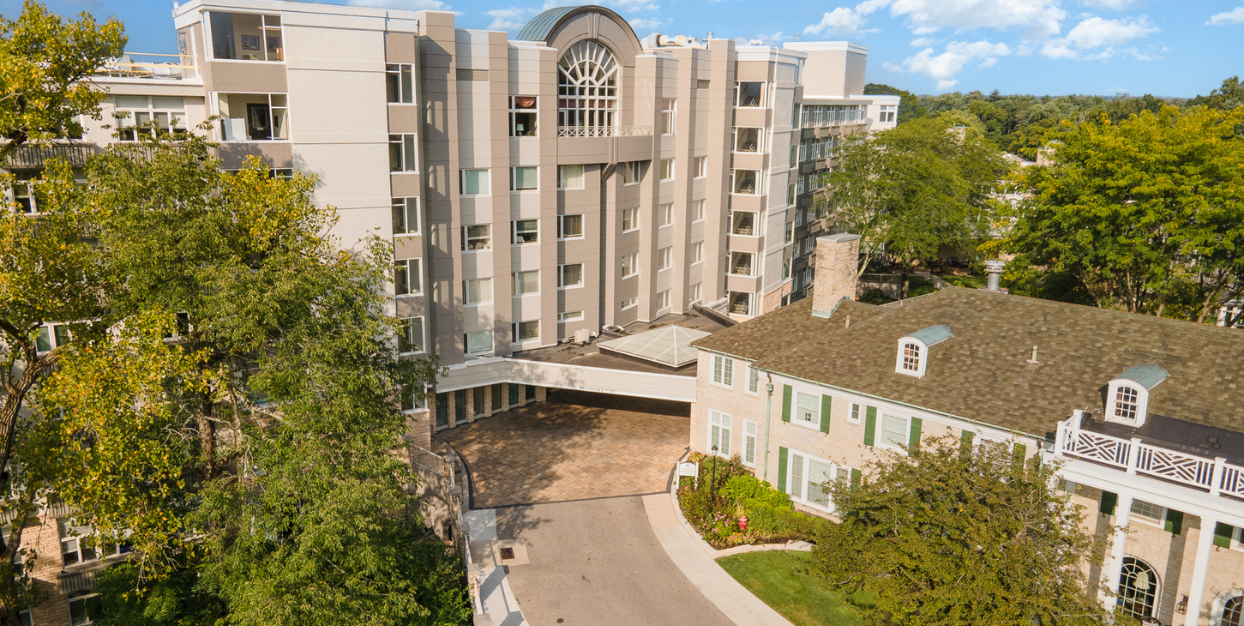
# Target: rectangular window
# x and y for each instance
(523, 116)
(750, 94)
(663, 300)
(410, 337)
(749, 442)
(474, 183)
(407, 277)
(477, 237)
(527, 331)
(745, 182)
(400, 83)
(668, 116)
(811, 479)
(630, 220)
(570, 177)
(632, 172)
(630, 303)
(526, 231)
(697, 252)
(785, 269)
(694, 294)
(245, 37)
(414, 399)
(893, 430)
(807, 409)
(143, 115)
(402, 153)
(795, 484)
(570, 275)
(477, 291)
(523, 178)
(667, 169)
(665, 214)
(83, 608)
(723, 370)
(245, 119)
(629, 264)
(570, 227)
(790, 232)
(753, 380)
(665, 258)
(526, 282)
(697, 211)
(719, 434)
(570, 316)
(1149, 512)
(854, 415)
(406, 216)
(790, 195)
(748, 140)
(478, 342)
(700, 167)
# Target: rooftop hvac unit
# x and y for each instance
(582, 336)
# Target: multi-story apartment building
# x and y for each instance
(536, 189)
(1143, 415)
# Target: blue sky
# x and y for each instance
(1164, 47)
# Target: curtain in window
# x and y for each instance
(524, 178)
(572, 274)
(894, 430)
(527, 282)
(474, 182)
(819, 477)
(479, 341)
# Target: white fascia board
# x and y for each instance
(1160, 492)
(826, 46)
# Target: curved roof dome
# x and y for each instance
(542, 26)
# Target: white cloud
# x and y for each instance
(1234, 16)
(1038, 18)
(644, 23)
(1095, 39)
(513, 18)
(1117, 5)
(846, 22)
(632, 6)
(763, 40)
(411, 5)
(943, 67)
(923, 42)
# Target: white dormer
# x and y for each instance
(913, 350)
(1127, 396)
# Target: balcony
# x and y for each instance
(741, 264)
(253, 117)
(1135, 457)
(604, 131)
(150, 66)
(740, 303)
(246, 37)
(744, 223)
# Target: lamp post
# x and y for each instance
(712, 487)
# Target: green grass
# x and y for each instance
(971, 282)
(782, 581)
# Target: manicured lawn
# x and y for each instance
(971, 282)
(781, 580)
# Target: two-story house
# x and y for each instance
(1145, 416)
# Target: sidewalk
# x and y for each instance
(696, 560)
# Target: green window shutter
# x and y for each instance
(913, 440)
(1018, 454)
(1108, 502)
(870, 425)
(965, 441)
(513, 393)
(855, 479)
(782, 468)
(786, 393)
(1222, 535)
(826, 403)
(1174, 521)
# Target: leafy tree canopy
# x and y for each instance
(958, 535)
(908, 104)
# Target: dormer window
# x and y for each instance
(1127, 397)
(913, 350)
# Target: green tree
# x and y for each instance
(908, 104)
(914, 189)
(1225, 98)
(43, 61)
(1145, 214)
(958, 535)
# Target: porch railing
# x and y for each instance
(604, 131)
(1136, 457)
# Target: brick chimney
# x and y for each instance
(837, 258)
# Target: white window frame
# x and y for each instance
(49, 333)
(665, 214)
(750, 432)
(759, 182)
(764, 88)
(854, 411)
(128, 127)
(514, 283)
(407, 146)
(466, 238)
(921, 356)
(561, 177)
(631, 260)
(466, 342)
(466, 290)
(520, 341)
(633, 212)
(879, 441)
(403, 77)
(669, 116)
(514, 178)
(515, 110)
(700, 167)
(1159, 521)
(797, 410)
(561, 276)
(839, 472)
(632, 173)
(408, 324)
(1112, 402)
(697, 252)
(404, 208)
(514, 232)
(667, 170)
(487, 182)
(663, 300)
(561, 227)
(414, 276)
(723, 371)
(760, 140)
(665, 258)
(695, 293)
(570, 316)
(630, 303)
(753, 376)
(697, 210)
(721, 425)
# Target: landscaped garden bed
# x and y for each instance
(729, 507)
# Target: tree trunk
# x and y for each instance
(207, 438)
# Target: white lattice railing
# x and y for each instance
(1136, 457)
(604, 131)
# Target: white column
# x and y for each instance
(1196, 595)
(1114, 565)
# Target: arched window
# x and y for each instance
(1232, 612)
(587, 88)
(1138, 588)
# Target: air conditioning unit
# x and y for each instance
(582, 336)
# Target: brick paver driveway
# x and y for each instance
(575, 446)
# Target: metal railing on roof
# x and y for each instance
(150, 66)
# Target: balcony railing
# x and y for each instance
(147, 65)
(1136, 457)
(604, 131)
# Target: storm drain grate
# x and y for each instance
(507, 554)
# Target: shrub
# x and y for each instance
(770, 516)
(741, 488)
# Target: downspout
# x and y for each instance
(764, 474)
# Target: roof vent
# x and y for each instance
(994, 268)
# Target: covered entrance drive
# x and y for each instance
(575, 446)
